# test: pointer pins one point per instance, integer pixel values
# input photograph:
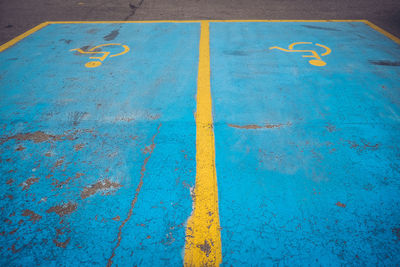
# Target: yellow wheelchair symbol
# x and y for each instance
(104, 55)
(317, 61)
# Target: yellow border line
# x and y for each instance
(203, 234)
(40, 26)
(22, 36)
(198, 21)
(379, 29)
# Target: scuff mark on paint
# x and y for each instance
(34, 217)
(339, 204)
(137, 191)
(78, 147)
(396, 232)
(63, 209)
(62, 244)
(331, 128)
(27, 184)
(365, 145)
(320, 28)
(36, 137)
(20, 148)
(206, 248)
(385, 63)
(254, 126)
(112, 35)
(103, 185)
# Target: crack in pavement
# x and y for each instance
(133, 9)
(148, 151)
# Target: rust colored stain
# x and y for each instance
(36, 137)
(365, 145)
(79, 174)
(13, 249)
(62, 244)
(63, 209)
(58, 163)
(61, 184)
(396, 232)
(27, 184)
(331, 128)
(116, 218)
(20, 148)
(13, 231)
(100, 185)
(254, 126)
(10, 181)
(78, 147)
(339, 204)
(369, 145)
(48, 154)
(137, 191)
(34, 217)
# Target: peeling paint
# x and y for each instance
(102, 185)
(254, 126)
(63, 209)
(34, 217)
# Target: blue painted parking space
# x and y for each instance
(95, 167)
(306, 122)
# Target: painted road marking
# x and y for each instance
(317, 61)
(307, 157)
(203, 238)
(95, 50)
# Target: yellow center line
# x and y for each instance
(203, 237)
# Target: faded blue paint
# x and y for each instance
(114, 111)
(324, 187)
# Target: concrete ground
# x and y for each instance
(19, 16)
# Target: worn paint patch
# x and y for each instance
(36, 137)
(34, 217)
(103, 186)
(253, 126)
(63, 209)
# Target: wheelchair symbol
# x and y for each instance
(104, 55)
(317, 61)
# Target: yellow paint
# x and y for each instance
(22, 36)
(317, 61)
(203, 236)
(94, 64)
(199, 21)
(375, 27)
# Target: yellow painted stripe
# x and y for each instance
(199, 21)
(203, 236)
(379, 29)
(22, 36)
